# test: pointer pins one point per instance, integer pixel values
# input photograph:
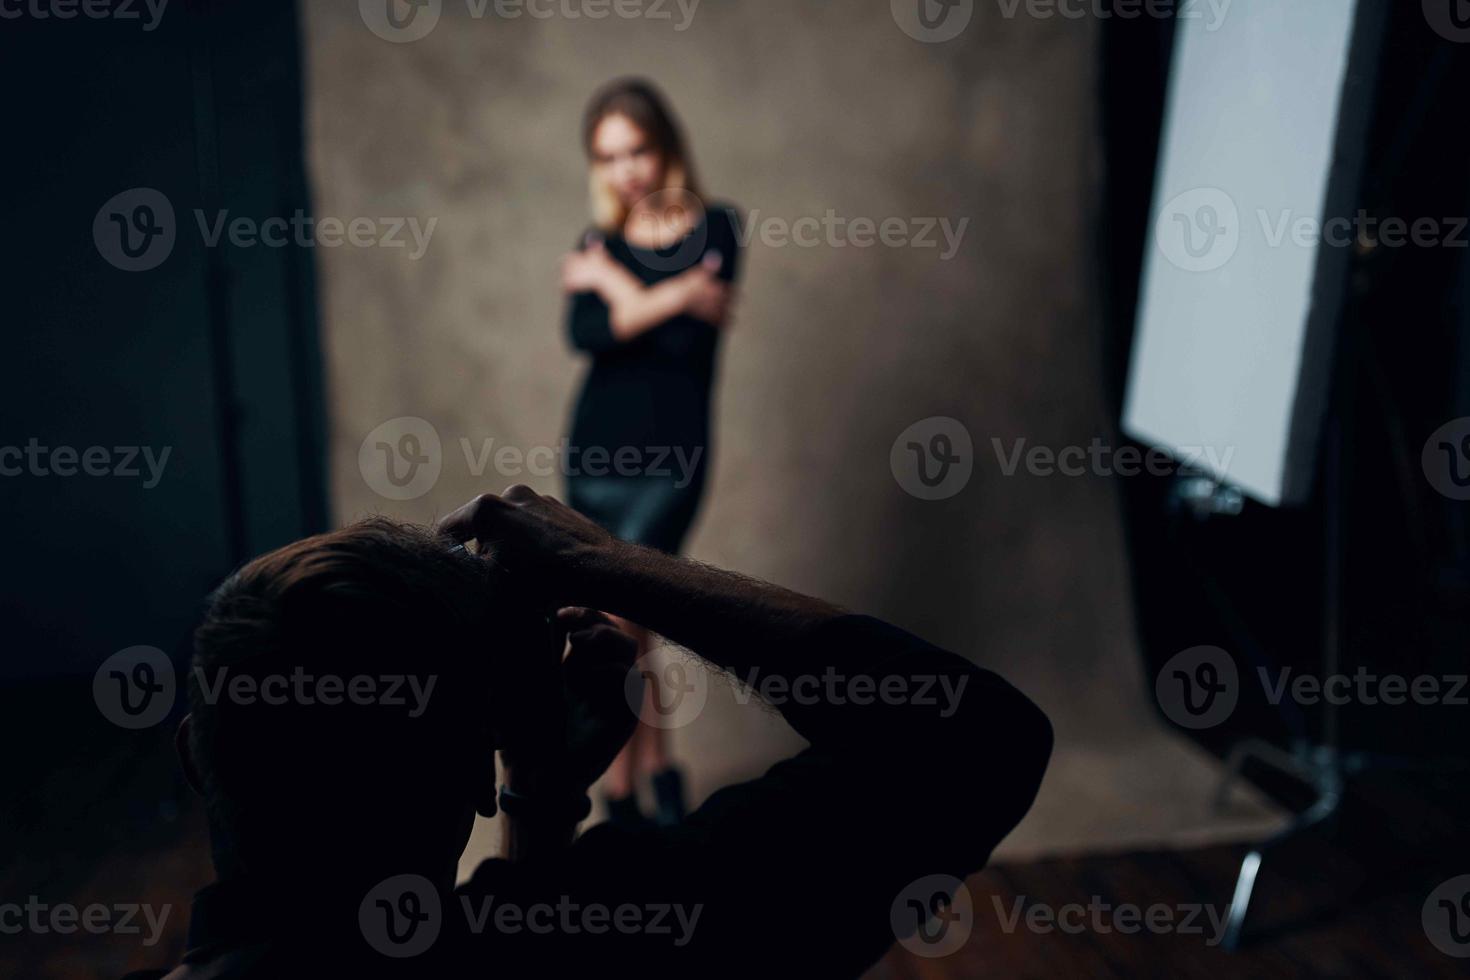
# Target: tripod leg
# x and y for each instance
(1240, 903)
(1318, 813)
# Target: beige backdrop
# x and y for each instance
(794, 108)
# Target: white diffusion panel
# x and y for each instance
(1249, 134)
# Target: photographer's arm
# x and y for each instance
(723, 616)
(743, 625)
(920, 762)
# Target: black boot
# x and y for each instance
(668, 794)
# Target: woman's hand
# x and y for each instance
(586, 271)
(707, 296)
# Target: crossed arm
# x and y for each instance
(603, 288)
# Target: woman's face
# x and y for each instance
(625, 160)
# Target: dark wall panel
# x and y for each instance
(145, 362)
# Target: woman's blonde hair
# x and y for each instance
(642, 104)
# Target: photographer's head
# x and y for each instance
(342, 704)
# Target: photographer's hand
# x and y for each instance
(595, 722)
(722, 616)
(536, 538)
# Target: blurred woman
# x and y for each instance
(649, 294)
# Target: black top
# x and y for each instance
(796, 873)
(651, 392)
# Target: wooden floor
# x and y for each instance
(105, 820)
(1310, 921)
(1305, 927)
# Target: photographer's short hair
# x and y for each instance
(344, 673)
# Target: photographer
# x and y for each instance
(313, 809)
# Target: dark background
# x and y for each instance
(213, 355)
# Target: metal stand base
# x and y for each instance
(1320, 767)
(1326, 770)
